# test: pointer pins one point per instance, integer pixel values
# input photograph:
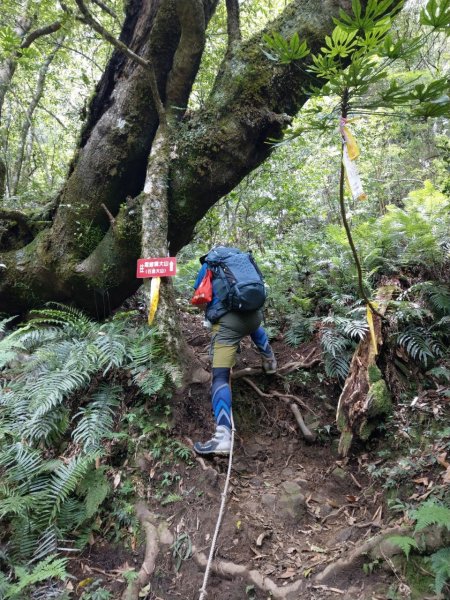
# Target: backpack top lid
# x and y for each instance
(219, 253)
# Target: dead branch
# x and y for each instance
(307, 434)
(328, 589)
(106, 9)
(111, 219)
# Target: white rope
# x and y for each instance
(219, 518)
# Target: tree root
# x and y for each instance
(225, 568)
(344, 563)
(156, 535)
(286, 398)
(309, 361)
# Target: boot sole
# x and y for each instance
(221, 452)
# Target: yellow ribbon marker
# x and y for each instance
(373, 336)
(352, 146)
(350, 154)
(154, 298)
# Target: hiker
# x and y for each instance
(235, 298)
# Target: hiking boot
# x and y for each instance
(269, 364)
(220, 443)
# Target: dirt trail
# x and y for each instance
(292, 509)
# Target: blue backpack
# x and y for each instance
(237, 282)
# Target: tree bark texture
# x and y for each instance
(365, 399)
(79, 258)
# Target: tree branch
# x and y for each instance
(233, 24)
(37, 33)
(109, 37)
(105, 8)
(187, 56)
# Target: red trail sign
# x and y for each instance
(165, 266)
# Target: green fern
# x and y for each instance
(419, 344)
(42, 499)
(337, 366)
(438, 296)
(96, 488)
(50, 568)
(440, 563)
(64, 481)
(404, 542)
(97, 417)
(431, 513)
(301, 329)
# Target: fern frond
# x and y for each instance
(431, 513)
(30, 338)
(50, 567)
(64, 315)
(337, 366)
(96, 488)
(172, 372)
(46, 544)
(111, 348)
(440, 563)
(332, 341)
(143, 348)
(64, 481)
(8, 350)
(22, 464)
(353, 328)
(149, 381)
(437, 294)
(4, 322)
(404, 542)
(47, 427)
(24, 538)
(71, 515)
(14, 504)
(97, 418)
(51, 388)
(300, 330)
(419, 344)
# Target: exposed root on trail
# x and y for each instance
(344, 563)
(228, 569)
(156, 535)
(286, 398)
(286, 592)
(311, 359)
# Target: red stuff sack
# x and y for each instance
(203, 294)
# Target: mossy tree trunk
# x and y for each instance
(81, 257)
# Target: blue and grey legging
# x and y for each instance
(226, 336)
